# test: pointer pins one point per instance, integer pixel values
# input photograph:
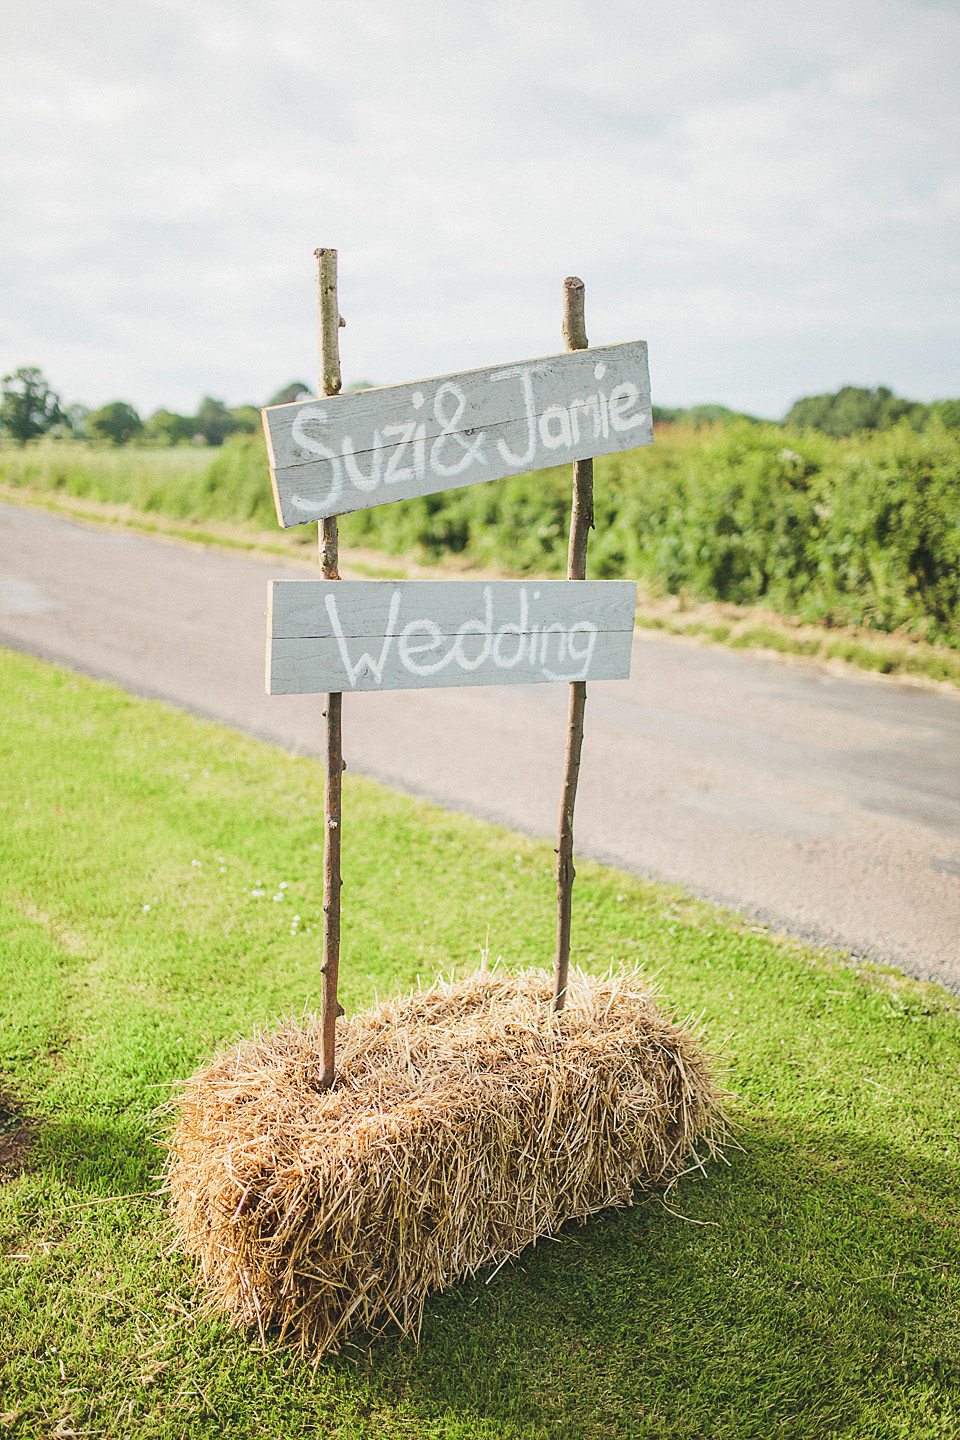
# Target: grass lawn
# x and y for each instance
(808, 1287)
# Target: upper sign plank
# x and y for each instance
(350, 452)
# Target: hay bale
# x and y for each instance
(467, 1120)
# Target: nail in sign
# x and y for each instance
(414, 634)
(349, 452)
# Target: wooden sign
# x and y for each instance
(325, 637)
(349, 452)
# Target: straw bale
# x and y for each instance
(467, 1120)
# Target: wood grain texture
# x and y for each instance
(418, 634)
(341, 453)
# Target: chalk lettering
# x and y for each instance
(316, 447)
(559, 416)
(406, 432)
(582, 627)
(519, 630)
(482, 627)
(604, 415)
(526, 383)
(406, 650)
(548, 630)
(366, 662)
(420, 451)
(471, 452)
(592, 405)
(369, 635)
(507, 646)
(621, 399)
(357, 477)
(347, 452)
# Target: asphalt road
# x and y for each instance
(823, 805)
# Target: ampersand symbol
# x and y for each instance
(472, 450)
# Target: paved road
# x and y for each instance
(827, 806)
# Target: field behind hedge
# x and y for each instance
(861, 531)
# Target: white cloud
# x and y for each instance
(766, 190)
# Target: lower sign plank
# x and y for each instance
(415, 634)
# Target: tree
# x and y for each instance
(854, 408)
(246, 419)
(948, 411)
(117, 423)
(166, 427)
(75, 419)
(289, 393)
(699, 416)
(28, 406)
(213, 421)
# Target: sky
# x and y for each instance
(767, 191)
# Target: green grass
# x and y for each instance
(808, 1287)
(866, 650)
(149, 480)
(183, 483)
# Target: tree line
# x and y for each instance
(851, 410)
(29, 408)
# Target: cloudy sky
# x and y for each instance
(768, 191)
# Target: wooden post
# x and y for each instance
(581, 523)
(330, 1011)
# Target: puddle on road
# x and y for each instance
(20, 597)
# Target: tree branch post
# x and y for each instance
(330, 1011)
(581, 523)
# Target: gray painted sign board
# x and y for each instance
(341, 453)
(327, 636)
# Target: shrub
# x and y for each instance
(861, 531)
